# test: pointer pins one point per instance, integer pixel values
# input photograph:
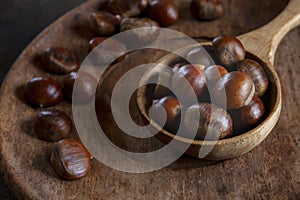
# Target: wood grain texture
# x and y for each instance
(270, 171)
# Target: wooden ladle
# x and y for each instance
(261, 45)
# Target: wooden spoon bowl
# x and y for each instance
(261, 45)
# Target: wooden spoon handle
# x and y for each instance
(264, 41)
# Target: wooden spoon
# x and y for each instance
(261, 45)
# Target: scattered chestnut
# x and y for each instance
(213, 123)
(246, 117)
(104, 23)
(109, 50)
(60, 60)
(52, 125)
(257, 73)
(194, 75)
(140, 36)
(166, 112)
(199, 55)
(43, 92)
(70, 159)
(165, 12)
(213, 74)
(233, 90)
(229, 49)
(206, 9)
(85, 87)
(126, 8)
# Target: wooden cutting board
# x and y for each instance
(272, 170)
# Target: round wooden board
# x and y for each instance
(272, 170)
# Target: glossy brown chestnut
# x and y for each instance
(70, 159)
(165, 12)
(164, 77)
(104, 23)
(213, 74)
(194, 75)
(85, 87)
(140, 36)
(126, 8)
(213, 54)
(213, 123)
(163, 83)
(177, 66)
(110, 50)
(233, 90)
(43, 92)
(246, 117)
(166, 112)
(52, 125)
(257, 74)
(59, 60)
(206, 9)
(230, 49)
(199, 56)
(93, 43)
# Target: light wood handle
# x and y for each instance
(264, 41)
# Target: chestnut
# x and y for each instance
(60, 60)
(104, 23)
(139, 36)
(213, 123)
(230, 50)
(93, 43)
(194, 75)
(165, 12)
(52, 125)
(166, 112)
(199, 55)
(177, 66)
(85, 90)
(246, 117)
(43, 92)
(126, 8)
(213, 55)
(70, 159)
(213, 74)
(206, 9)
(234, 90)
(110, 50)
(163, 83)
(257, 73)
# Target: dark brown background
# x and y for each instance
(20, 22)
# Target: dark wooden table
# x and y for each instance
(271, 171)
(20, 22)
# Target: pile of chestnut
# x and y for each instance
(228, 95)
